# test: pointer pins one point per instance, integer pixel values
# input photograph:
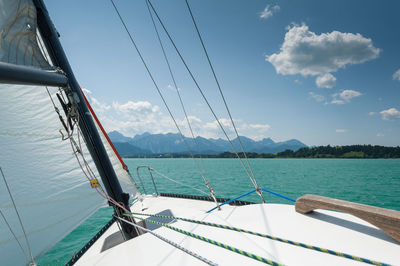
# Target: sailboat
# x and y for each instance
(59, 164)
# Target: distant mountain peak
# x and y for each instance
(172, 143)
(115, 136)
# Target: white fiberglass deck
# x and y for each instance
(325, 229)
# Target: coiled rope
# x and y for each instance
(299, 244)
(205, 239)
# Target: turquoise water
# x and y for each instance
(368, 181)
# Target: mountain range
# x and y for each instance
(148, 144)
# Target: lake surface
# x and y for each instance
(368, 181)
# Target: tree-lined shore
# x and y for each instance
(349, 151)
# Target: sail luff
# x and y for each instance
(86, 123)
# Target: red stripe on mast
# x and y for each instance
(104, 132)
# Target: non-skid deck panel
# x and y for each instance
(326, 229)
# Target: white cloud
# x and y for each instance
(139, 106)
(260, 127)
(341, 130)
(172, 88)
(269, 11)
(396, 75)
(131, 118)
(325, 81)
(215, 125)
(317, 97)
(307, 53)
(344, 97)
(372, 113)
(347, 95)
(193, 119)
(390, 114)
(380, 135)
(254, 131)
(97, 106)
(86, 92)
(337, 101)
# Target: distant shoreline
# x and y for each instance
(188, 157)
(320, 152)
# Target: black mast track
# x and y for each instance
(86, 123)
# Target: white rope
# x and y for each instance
(209, 262)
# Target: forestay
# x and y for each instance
(52, 194)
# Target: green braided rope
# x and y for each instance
(222, 245)
(299, 244)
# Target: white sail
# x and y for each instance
(51, 192)
(18, 34)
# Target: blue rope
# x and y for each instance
(229, 201)
(248, 193)
(277, 194)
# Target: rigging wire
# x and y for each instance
(12, 232)
(253, 180)
(201, 92)
(161, 95)
(204, 172)
(176, 88)
(19, 217)
(177, 182)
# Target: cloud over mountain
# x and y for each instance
(135, 117)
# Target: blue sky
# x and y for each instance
(323, 72)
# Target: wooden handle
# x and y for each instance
(386, 220)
